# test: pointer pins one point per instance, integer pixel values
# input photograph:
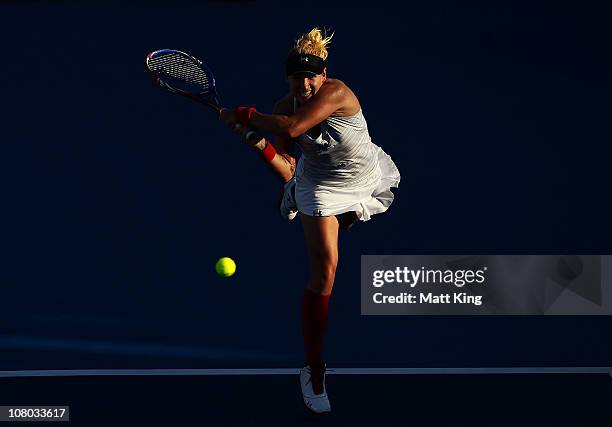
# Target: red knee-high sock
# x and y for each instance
(314, 318)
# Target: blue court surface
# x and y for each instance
(235, 399)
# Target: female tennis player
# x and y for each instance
(340, 178)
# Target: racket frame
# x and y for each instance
(213, 103)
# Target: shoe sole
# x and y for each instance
(316, 413)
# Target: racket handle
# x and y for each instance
(250, 136)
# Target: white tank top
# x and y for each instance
(342, 154)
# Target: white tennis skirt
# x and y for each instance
(368, 197)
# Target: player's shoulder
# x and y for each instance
(346, 97)
(337, 88)
(337, 85)
(284, 105)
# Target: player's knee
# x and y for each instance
(322, 283)
(320, 290)
(325, 260)
(324, 272)
(329, 272)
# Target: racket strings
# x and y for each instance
(180, 68)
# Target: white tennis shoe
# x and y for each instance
(288, 205)
(312, 379)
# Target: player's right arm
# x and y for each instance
(280, 155)
(284, 162)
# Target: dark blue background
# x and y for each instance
(118, 198)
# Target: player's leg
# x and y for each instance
(321, 235)
(347, 220)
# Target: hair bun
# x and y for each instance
(313, 43)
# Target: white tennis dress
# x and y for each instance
(342, 170)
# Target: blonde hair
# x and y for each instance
(313, 43)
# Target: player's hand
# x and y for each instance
(227, 116)
(249, 137)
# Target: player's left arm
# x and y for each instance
(330, 98)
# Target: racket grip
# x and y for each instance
(248, 135)
(253, 136)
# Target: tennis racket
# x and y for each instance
(185, 75)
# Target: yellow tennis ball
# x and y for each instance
(225, 267)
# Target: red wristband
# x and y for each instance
(243, 115)
(269, 151)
